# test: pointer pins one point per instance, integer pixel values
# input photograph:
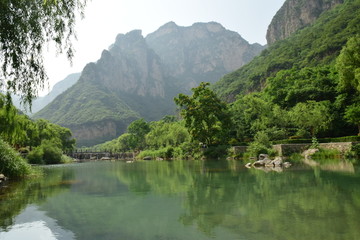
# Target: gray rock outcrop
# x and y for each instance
(296, 14)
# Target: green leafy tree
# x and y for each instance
(49, 152)
(138, 129)
(206, 116)
(311, 115)
(292, 86)
(352, 115)
(55, 133)
(25, 28)
(348, 65)
(164, 133)
(252, 113)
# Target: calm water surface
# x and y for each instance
(183, 200)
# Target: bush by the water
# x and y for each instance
(261, 144)
(11, 163)
(166, 153)
(48, 152)
(354, 152)
(215, 152)
(325, 155)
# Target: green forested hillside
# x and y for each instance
(306, 85)
(139, 77)
(316, 45)
(87, 103)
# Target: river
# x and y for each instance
(183, 200)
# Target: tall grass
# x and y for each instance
(327, 155)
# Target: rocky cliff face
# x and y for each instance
(296, 14)
(202, 52)
(135, 68)
(139, 77)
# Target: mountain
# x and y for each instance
(40, 102)
(202, 52)
(316, 45)
(295, 15)
(138, 77)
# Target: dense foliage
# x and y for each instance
(206, 124)
(315, 46)
(44, 142)
(306, 85)
(157, 139)
(25, 28)
(206, 116)
(11, 163)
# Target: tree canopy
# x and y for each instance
(311, 115)
(348, 64)
(25, 28)
(206, 116)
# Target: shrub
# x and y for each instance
(179, 153)
(66, 159)
(354, 152)
(260, 145)
(48, 152)
(256, 148)
(11, 163)
(36, 156)
(52, 153)
(159, 153)
(326, 155)
(215, 152)
(314, 143)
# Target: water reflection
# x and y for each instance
(193, 200)
(17, 195)
(33, 224)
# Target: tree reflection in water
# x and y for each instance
(221, 199)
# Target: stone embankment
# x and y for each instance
(288, 149)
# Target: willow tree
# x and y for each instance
(25, 29)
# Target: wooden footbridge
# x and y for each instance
(104, 155)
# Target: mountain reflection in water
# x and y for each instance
(184, 200)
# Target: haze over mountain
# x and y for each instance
(40, 102)
(138, 77)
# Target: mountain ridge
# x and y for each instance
(40, 102)
(135, 76)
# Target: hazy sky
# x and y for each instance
(104, 19)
